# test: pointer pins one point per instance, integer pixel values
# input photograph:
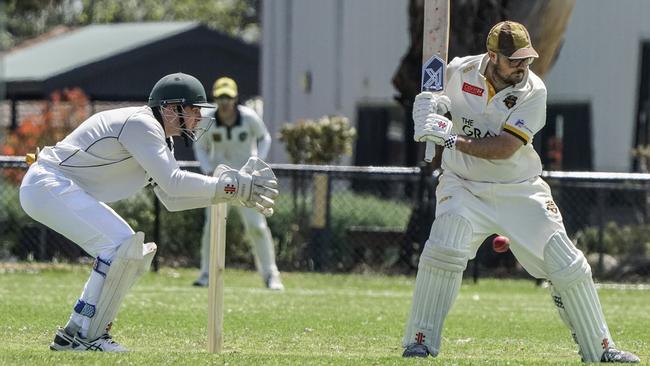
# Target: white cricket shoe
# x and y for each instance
(202, 281)
(102, 344)
(63, 341)
(274, 283)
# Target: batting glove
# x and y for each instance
(427, 103)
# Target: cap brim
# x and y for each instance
(227, 92)
(523, 53)
(204, 105)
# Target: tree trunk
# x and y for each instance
(471, 20)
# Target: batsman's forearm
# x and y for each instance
(493, 148)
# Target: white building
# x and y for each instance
(323, 57)
(335, 56)
(601, 64)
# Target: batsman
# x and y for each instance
(491, 184)
(109, 157)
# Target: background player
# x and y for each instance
(109, 157)
(237, 134)
(491, 184)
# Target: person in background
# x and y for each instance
(237, 134)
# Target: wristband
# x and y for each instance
(450, 142)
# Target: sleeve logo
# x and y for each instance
(473, 89)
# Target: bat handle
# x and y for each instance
(430, 152)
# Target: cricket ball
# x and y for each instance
(500, 244)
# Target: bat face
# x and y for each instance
(433, 74)
(435, 41)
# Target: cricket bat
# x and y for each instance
(435, 41)
(218, 218)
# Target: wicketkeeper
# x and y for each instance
(109, 157)
(237, 134)
(491, 184)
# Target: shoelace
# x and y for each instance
(108, 338)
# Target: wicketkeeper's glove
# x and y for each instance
(254, 186)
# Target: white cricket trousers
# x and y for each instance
(59, 203)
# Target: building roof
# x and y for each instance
(83, 46)
(123, 61)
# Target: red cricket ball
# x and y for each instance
(500, 244)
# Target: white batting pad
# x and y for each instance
(132, 260)
(559, 305)
(570, 274)
(440, 273)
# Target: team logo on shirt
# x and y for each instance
(216, 137)
(473, 89)
(468, 69)
(242, 136)
(510, 101)
(552, 207)
(471, 130)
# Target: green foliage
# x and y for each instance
(180, 232)
(29, 18)
(10, 213)
(291, 226)
(58, 116)
(616, 240)
(318, 142)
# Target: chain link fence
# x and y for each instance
(356, 219)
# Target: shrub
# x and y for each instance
(291, 227)
(318, 142)
(616, 240)
(59, 116)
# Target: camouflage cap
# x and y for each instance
(511, 39)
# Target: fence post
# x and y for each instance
(320, 233)
(600, 207)
(156, 231)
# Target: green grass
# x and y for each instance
(319, 320)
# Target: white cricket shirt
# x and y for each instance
(519, 110)
(113, 154)
(232, 145)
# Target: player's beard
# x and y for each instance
(512, 78)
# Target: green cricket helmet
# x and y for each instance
(178, 88)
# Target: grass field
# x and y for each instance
(319, 320)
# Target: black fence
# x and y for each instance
(356, 219)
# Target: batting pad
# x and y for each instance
(559, 304)
(440, 273)
(132, 260)
(570, 274)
